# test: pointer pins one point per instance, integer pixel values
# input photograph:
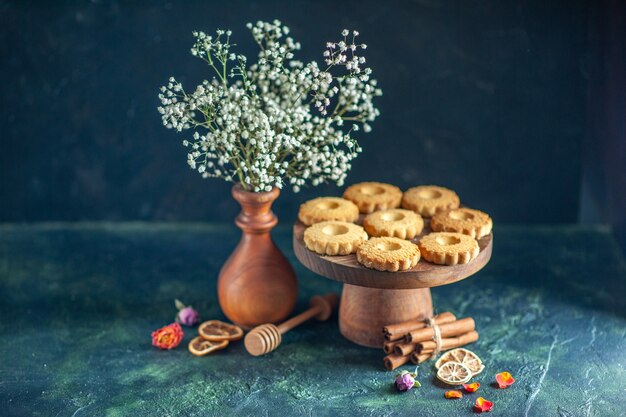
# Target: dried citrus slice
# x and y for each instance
(217, 331)
(464, 356)
(454, 373)
(200, 347)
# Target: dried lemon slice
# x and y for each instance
(454, 373)
(464, 356)
(216, 331)
(200, 347)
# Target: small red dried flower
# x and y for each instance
(453, 394)
(167, 337)
(504, 379)
(482, 405)
(473, 387)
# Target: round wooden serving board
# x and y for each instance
(372, 299)
(424, 275)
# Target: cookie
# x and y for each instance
(470, 222)
(388, 254)
(328, 208)
(373, 196)
(448, 248)
(334, 238)
(427, 200)
(403, 224)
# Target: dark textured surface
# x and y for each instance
(486, 97)
(78, 303)
(603, 187)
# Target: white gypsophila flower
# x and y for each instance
(276, 122)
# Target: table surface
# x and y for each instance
(78, 303)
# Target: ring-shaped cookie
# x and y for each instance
(445, 248)
(403, 224)
(373, 196)
(323, 209)
(427, 200)
(334, 238)
(388, 254)
(474, 223)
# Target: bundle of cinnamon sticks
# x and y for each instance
(415, 341)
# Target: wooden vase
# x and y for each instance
(257, 284)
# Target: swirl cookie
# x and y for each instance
(448, 248)
(373, 196)
(334, 238)
(403, 224)
(427, 200)
(323, 209)
(470, 222)
(388, 254)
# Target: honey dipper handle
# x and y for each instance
(321, 308)
(327, 302)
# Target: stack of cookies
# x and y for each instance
(390, 238)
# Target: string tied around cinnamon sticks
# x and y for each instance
(421, 340)
(436, 336)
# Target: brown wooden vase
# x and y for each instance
(256, 284)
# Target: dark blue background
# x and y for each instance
(512, 104)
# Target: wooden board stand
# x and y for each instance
(372, 299)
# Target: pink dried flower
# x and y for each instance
(406, 380)
(186, 316)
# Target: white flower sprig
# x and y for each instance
(278, 121)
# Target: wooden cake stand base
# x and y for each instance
(372, 299)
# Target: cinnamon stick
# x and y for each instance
(404, 349)
(393, 361)
(447, 343)
(417, 358)
(426, 352)
(389, 346)
(397, 331)
(455, 328)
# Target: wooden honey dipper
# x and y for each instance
(267, 337)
